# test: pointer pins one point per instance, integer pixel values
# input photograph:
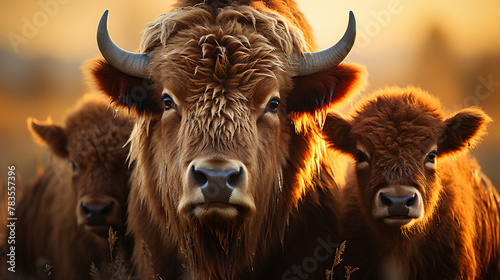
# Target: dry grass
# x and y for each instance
(48, 270)
(112, 241)
(147, 260)
(338, 258)
(94, 272)
(118, 267)
(349, 270)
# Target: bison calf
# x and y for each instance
(65, 214)
(419, 207)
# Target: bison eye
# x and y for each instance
(361, 157)
(431, 157)
(73, 165)
(273, 105)
(169, 102)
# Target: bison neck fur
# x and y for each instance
(264, 245)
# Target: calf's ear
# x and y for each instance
(463, 130)
(314, 94)
(51, 135)
(124, 91)
(337, 134)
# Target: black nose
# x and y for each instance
(398, 206)
(97, 213)
(216, 185)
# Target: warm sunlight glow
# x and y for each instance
(449, 48)
(310, 125)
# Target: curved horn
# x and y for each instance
(133, 64)
(312, 62)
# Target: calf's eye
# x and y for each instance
(73, 165)
(169, 102)
(431, 157)
(361, 157)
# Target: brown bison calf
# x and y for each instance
(65, 214)
(419, 206)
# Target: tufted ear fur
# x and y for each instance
(123, 90)
(337, 134)
(463, 130)
(51, 135)
(317, 92)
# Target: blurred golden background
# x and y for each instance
(450, 48)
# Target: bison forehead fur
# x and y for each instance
(398, 130)
(220, 80)
(95, 137)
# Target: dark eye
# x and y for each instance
(431, 157)
(169, 102)
(361, 157)
(73, 165)
(273, 105)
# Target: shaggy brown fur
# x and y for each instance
(288, 9)
(92, 139)
(222, 66)
(458, 235)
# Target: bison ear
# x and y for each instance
(51, 135)
(125, 91)
(463, 130)
(317, 92)
(337, 134)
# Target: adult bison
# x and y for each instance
(231, 180)
(420, 207)
(65, 214)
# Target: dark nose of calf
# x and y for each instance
(216, 185)
(97, 213)
(398, 206)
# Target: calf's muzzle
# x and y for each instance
(97, 213)
(99, 210)
(398, 202)
(398, 206)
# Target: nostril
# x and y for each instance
(235, 178)
(85, 208)
(411, 201)
(91, 210)
(199, 176)
(385, 201)
(107, 209)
